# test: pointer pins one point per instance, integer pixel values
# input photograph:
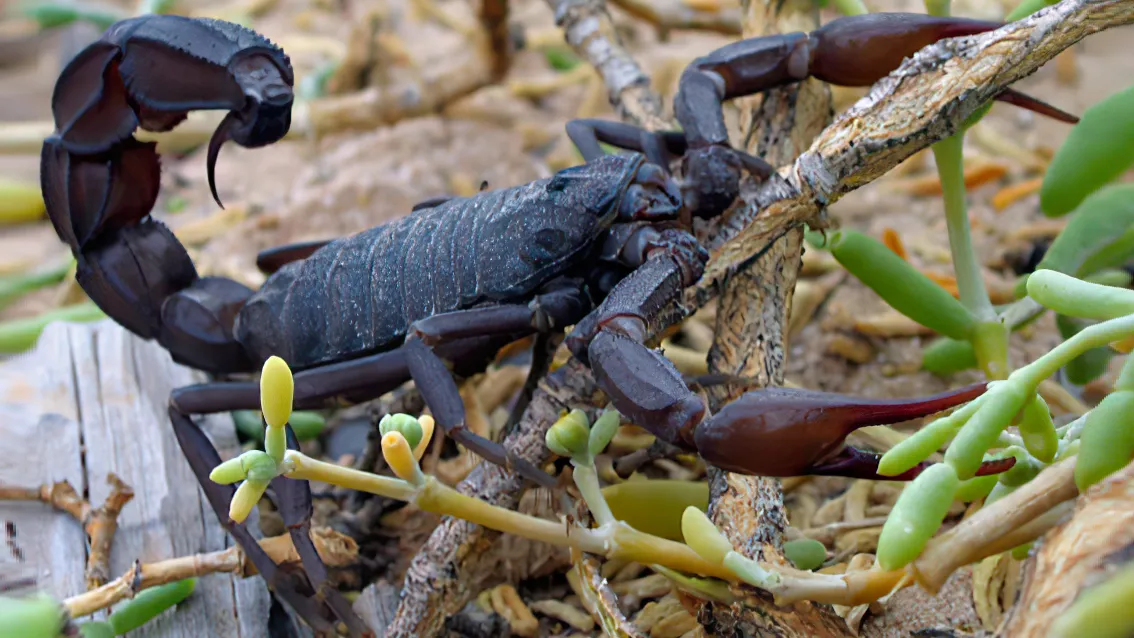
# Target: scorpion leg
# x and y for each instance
(641, 383)
(548, 312)
(432, 202)
(543, 352)
(288, 585)
(272, 259)
(295, 506)
(848, 51)
(658, 147)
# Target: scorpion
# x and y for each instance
(434, 295)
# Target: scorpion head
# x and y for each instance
(618, 187)
(266, 116)
(712, 180)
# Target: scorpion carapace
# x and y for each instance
(852, 51)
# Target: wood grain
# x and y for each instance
(90, 400)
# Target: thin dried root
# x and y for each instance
(983, 533)
(60, 495)
(568, 614)
(335, 549)
(99, 524)
(975, 176)
(893, 241)
(1067, 67)
(1046, 229)
(890, 324)
(704, 15)
(996, 143)
(493, 18)
(1013, 193)
(506, 602)
(535, 89)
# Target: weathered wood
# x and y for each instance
(90, 400)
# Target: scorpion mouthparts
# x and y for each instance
(220, 136)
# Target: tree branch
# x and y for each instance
(590, 32)
(751, 337)
(923, 102)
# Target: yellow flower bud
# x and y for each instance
(569, 436)
(703, 537)
(277, 389)
(245, 498)
(427, 424)
(396, 451)
(228, 472)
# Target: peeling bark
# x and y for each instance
(1081, 553)
(751, 339)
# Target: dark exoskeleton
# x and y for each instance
(436, 293)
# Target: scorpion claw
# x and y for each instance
(1024, 101)
(855, 463)
(220, 136)
(783, 432)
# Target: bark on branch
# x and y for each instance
(751, 338)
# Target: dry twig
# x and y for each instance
(669, 15)
(99, 524)
(335, 549)
(1080, 553)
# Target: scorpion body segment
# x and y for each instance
(360, 294)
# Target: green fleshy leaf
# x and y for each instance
(917, 515)
(1098, 150)
(901, 285)
(149, 603)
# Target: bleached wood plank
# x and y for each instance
(119, 394)
(39, 441)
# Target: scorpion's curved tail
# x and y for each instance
(131, 265)
(100, 183)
